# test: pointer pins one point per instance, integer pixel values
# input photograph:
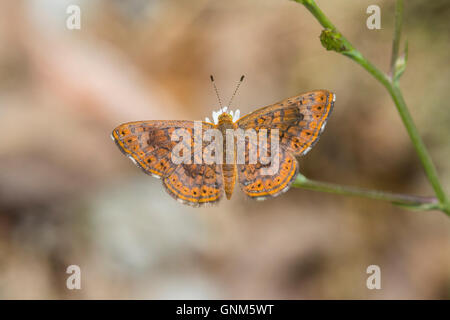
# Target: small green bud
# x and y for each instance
(332, 40)
(301, 178)
(400, 64)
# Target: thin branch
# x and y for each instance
(409, 201)
(332, 39)
(397, 36)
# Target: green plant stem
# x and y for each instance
(409, 201)
(397, 35)
(394, 90)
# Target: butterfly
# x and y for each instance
(299, 121)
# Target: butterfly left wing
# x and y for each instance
(149, 145)
(300, 121)
(195, 184)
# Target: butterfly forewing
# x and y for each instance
(300, 119)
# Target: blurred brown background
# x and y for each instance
(68, 196)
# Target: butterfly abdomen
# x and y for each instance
(229, 178)
(228, 169)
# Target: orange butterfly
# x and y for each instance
(300, 120)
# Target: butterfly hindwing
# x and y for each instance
(259, 185)
(195, 184)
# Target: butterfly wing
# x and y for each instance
(300, 121)
(195, 184)
(259, 185)
(149, 145)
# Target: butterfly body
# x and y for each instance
(297, 122)
(228, 169)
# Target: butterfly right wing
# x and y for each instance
(300, 121)
(149, 145)
(269, 179)
(259, 185)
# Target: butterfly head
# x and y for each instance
(224, 115)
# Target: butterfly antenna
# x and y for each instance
(217, 91)
(235, 90)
